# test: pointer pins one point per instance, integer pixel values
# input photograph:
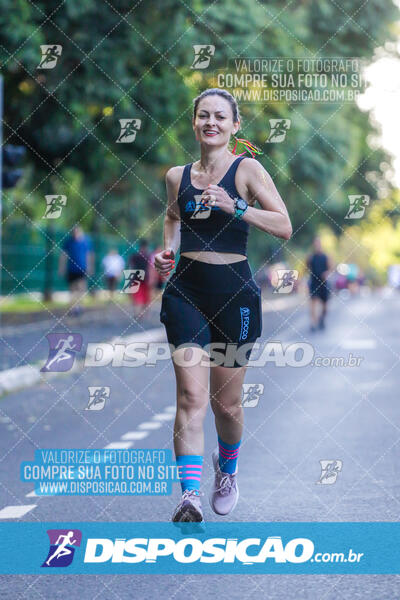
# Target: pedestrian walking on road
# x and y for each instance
(212, 296)
(113, 265)
(319, 265)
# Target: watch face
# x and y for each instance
(241, 204)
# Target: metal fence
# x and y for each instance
(30, 258)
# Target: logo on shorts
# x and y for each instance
(62, 351)
(244, 322)
(62, 547)
(133, 278)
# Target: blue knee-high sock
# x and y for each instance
(228, 456)
(189, 468)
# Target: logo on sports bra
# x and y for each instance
(244, 322)
(190, 205)
(199, 208)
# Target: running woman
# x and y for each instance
(212, 296)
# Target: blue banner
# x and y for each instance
(251, 548)
(71, 472)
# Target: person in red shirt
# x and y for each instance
(140, 260)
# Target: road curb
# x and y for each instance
(19, 378)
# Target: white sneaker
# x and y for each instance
(225, 492)
(189, 508)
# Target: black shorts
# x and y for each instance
(75, 275)
(204, 303)
(111, 282)
(319, 290)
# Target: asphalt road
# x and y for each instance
(305, 414)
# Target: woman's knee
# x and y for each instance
(192, 400)
(226, 407)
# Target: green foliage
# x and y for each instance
(132, 60)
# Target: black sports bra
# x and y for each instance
(209, 227)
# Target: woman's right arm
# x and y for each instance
(165, 261)
(172, 236)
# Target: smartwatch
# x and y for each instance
(240, 207)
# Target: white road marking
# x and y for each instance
(118, 445)
(367, 386)
(135, 435)
(164, 417)
(375, 366)
(150, 425)
(16, 512)
(368, 344)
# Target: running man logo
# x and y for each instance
(129, 128)
(63, 348)
(357, 206)
(202, 56)
(329, 471)
(50, 55)
(54, 206)
(244, 322)
(97, 397)
(279, 129)
(286, 281)
(200, 210)
(251, 394)
(62, 547)
(133, 277)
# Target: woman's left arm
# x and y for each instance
(273, 216)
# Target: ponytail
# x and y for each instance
(249, 147)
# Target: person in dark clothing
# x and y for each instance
(319, 265)
(76, 264)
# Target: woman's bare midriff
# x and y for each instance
(214, 258)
